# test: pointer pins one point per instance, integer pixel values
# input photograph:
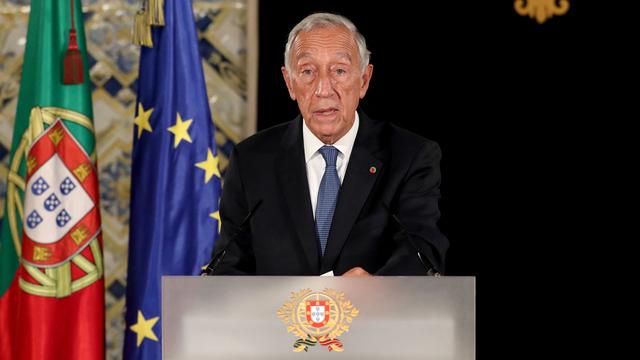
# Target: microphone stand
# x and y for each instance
(424, 260)
(217, 258)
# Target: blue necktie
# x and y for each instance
(327, 195)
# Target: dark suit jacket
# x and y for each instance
(280, 238)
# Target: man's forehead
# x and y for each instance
(333, 36)
(337, 41)
(310, 55)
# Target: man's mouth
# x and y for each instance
(326, 111)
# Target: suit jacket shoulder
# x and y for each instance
(267, 140)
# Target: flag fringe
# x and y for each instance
(155, 12)
(142, 30)
(72, 63)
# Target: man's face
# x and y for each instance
(326, 80)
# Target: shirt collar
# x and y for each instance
(345, 144)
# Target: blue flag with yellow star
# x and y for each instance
(175, 181)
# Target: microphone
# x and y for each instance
(424, 260)
(217, 258)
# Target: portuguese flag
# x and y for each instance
(51, 272)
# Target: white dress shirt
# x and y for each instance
(315, 162)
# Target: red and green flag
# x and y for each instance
(51, 272)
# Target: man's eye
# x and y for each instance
(341, 71)
(307, 72)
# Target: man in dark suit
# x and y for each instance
(326, 188)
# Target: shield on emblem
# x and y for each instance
(61, 199)
(318, 313)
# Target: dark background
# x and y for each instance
(523, 114)
(493, 88)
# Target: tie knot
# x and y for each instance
(330, 154)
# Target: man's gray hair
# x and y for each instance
(320, 20)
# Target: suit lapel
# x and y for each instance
(292, 173)
(356, 186)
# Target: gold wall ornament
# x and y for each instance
(541, 10)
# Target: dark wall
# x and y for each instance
(496, 90)
(532, 120)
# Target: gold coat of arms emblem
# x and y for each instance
(317, 317)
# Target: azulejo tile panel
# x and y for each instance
(113, 61)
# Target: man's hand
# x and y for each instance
(356, 271)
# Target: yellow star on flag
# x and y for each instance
(144, 328)
(142, 120)
(216, 215)
(210, 166)
(180, 130)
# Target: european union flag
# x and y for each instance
(175, 181)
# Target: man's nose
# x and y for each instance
(324, 86)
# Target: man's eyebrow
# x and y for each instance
(344, 55)
(306, 54)
(303, 55)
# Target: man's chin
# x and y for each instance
(323, 126)
(325, 131)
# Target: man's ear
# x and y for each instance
(366, 79)
(287, 80)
